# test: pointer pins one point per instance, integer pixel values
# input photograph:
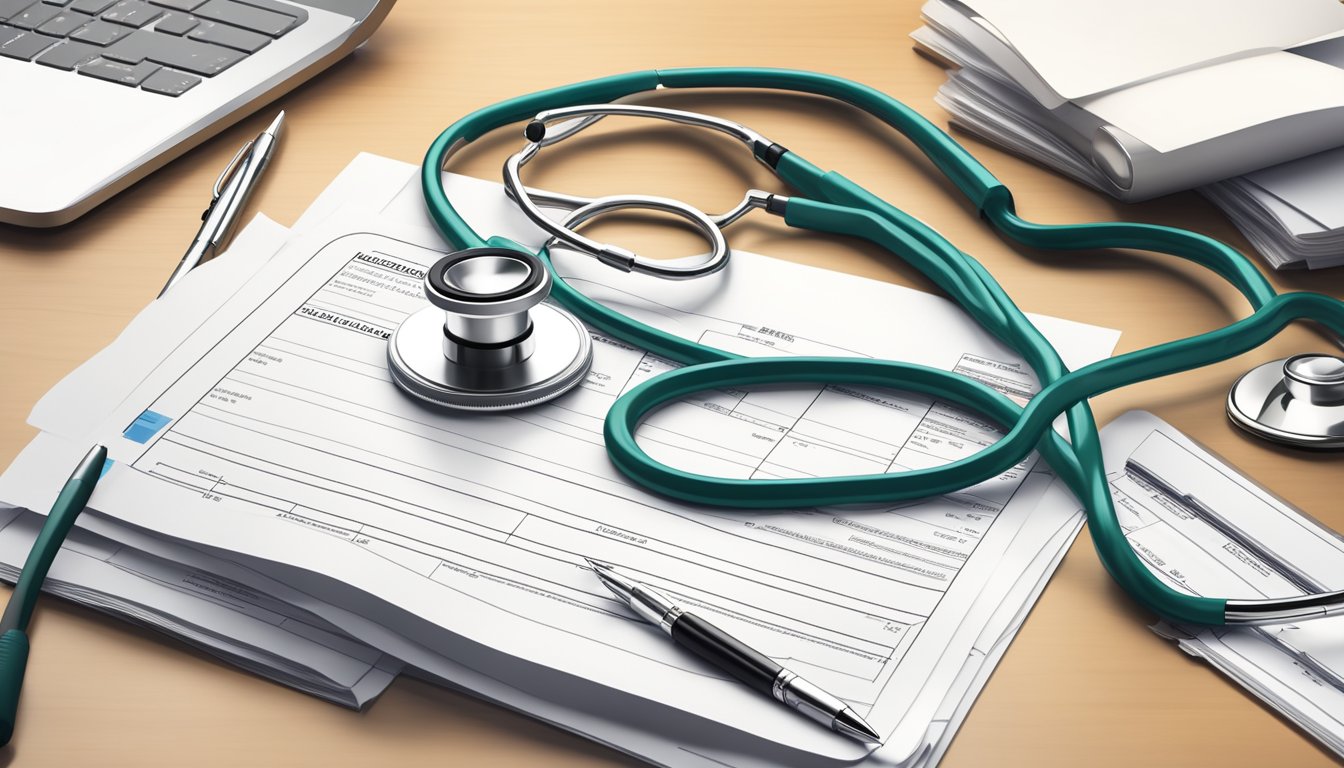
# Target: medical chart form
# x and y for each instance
(276, 432)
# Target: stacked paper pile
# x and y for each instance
(178, 593)
(273, 474)
(1046, 82)
(1292, 213)
(190, 594)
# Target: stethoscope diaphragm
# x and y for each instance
(1298, 402)
(487, 342)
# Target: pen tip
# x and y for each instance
(274, 127)
(595, 565)
(855, 727)
(91, 465)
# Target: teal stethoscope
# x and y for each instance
(487, 343)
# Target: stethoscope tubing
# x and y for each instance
(831, 203)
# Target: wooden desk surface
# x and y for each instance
(1085, 682)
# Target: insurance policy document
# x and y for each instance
(274, 432)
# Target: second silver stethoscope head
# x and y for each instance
(487, 342)
(1297, 402)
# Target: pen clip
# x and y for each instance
(228, 171)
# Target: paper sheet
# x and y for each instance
(655, 737)
(1079, 48)
(1052, 525)
(1207, 530)
(175, 592)
(272, 377)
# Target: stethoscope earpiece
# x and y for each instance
(1298, 401)
(487, 342)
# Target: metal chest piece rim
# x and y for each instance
(487, 342)
(1298, 401)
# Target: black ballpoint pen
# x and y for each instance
(751, 667)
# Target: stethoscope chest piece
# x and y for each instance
(487, 342)
(1298, 401)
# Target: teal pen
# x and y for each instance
(14, 623)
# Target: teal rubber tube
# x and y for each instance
(828, 202)
(973, 179)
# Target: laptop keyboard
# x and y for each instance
(162, 46)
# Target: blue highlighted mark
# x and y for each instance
(107, 464)
(146, 425)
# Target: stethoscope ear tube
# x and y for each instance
(1282, 611)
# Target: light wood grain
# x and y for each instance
(1085, 682)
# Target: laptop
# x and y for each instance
(98, 93)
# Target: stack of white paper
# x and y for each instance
(1137, 138)
(1205, 529)
(1293, 213)
(261, 429)
(179, 595)
(180, 591)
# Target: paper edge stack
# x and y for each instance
(1275, 208)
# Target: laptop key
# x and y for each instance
(247, 16)
(176, 52)
(180, 5)
(12, 8)
(229, 37)
(117, 72)
(34, 16)
(69, 54)
(57, 2)
(8, 33)
(26, 45)
(176, 23)
(100, 32)
(91, 6)
(132, 13)
(170, 83)
(275, 5)
(64, 23)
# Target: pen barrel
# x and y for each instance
(712, 644)
(13, 662)
(71, 501)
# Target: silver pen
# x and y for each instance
(230, 193)
(749, 666)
